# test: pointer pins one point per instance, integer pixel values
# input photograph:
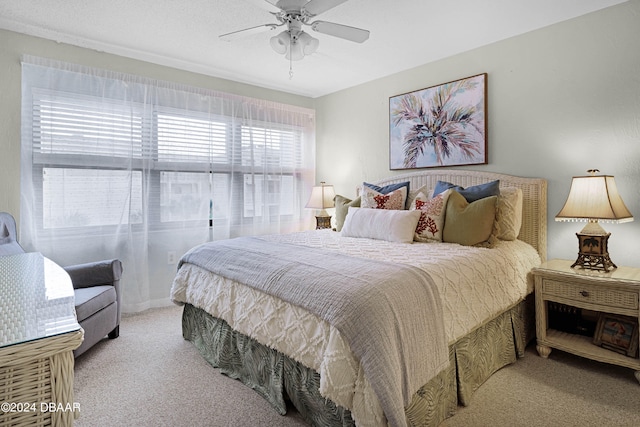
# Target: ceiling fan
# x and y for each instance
(294, 42)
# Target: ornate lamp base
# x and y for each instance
(323, 222)
(593, 253)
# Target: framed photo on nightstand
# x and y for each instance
(617, 333)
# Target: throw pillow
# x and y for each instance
(389, 188)
(381, 224)
(342, 208)
(414, 193)
(508, 214)
(473, 193)
(468, 223)
(432, 216)
(371, 198)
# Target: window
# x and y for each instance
(90, 197)
(120, 166)
(99, 161)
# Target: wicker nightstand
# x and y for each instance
(616, 293)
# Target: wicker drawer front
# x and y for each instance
(592, 294)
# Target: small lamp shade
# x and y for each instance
(280, 43)
(309, 44)
(594, 198)
(322, 198)
(295, 52)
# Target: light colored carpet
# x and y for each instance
(561, 391)
(151, 376)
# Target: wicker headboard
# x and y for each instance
(534, 190)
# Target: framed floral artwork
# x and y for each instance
(443, 125)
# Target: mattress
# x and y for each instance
(474, 283)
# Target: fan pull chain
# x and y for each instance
(290, 67)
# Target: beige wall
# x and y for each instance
(561, 100)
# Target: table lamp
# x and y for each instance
(322, 198)
(594, 198)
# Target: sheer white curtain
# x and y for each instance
(120, 166)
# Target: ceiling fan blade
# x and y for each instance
(316, 7)
(346, 32)
(269, 5)
(247, 32)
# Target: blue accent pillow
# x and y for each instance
(473, 193)
(389, 188)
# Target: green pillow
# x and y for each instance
(468, 223)
(342, 208)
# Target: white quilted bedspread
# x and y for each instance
(475, 284)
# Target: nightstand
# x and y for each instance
(616, 293)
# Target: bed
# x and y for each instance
(296, 352)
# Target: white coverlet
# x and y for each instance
(372, 303)
(475, 284)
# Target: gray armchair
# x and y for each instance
(96, 287)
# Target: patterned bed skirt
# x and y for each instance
(277, 378)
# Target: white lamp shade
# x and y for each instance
(280, 43)
(296, 52)
(309, 44)
(594, 198)
(321, 197)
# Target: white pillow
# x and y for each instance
(381, 224)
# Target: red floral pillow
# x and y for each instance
(432, 213)
(373, 199)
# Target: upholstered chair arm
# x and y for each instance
(99, 273)
(95, 273)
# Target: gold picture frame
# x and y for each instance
(617, 333)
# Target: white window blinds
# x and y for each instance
(70, 124)
(192, 139)
(105, 160)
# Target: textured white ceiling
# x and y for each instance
(184, 34)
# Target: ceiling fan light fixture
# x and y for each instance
(294, 47)
(296, 51)
(280, 43)
(295, 15)
(309, 44)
